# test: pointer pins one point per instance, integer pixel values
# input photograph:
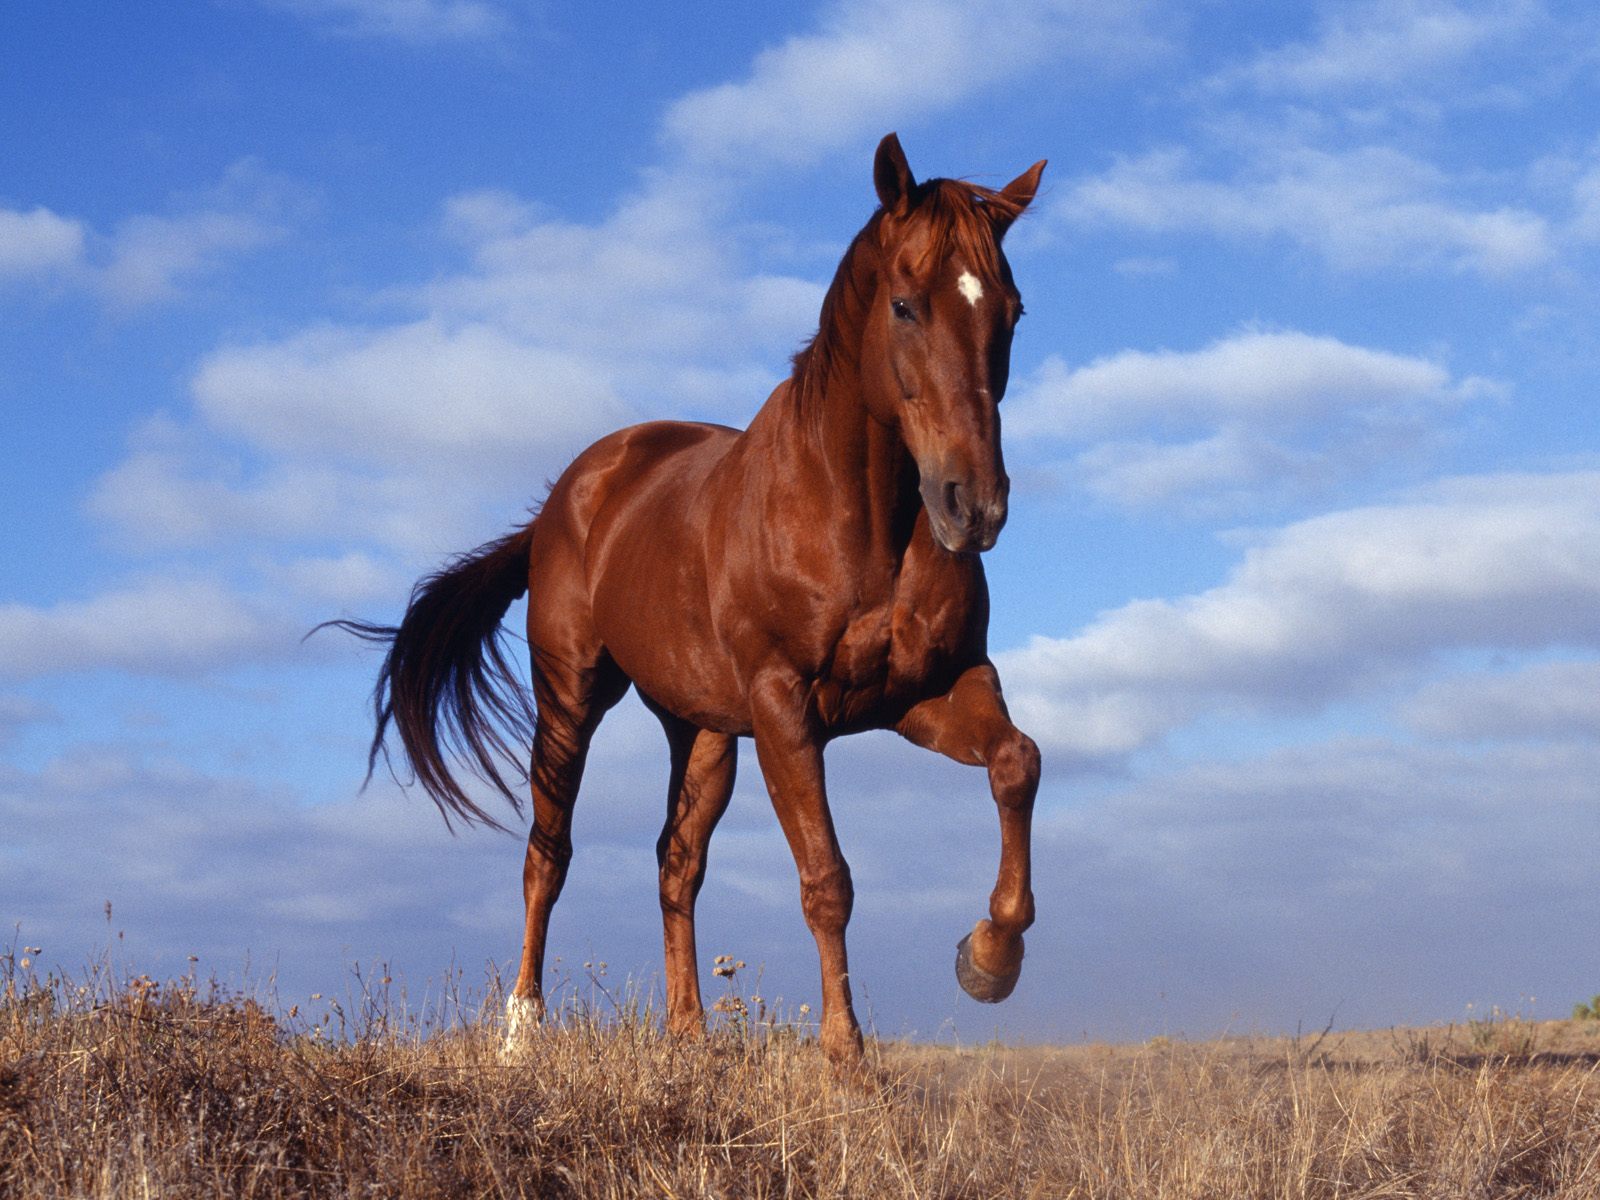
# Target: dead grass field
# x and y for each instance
(139, 1089)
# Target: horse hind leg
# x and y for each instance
(703, 767)
(570, 703)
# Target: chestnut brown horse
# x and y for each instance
(812, 576)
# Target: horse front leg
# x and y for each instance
(790, 753)
(969, 723)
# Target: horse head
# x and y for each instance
(936, 350)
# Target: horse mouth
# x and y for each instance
(963, 541)
(960, 522)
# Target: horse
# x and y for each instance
(814, 575)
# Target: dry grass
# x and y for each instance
(140, 1089)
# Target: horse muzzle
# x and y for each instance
(964, 518)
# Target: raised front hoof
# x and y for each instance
(978, 983)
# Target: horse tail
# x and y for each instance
(446, 682)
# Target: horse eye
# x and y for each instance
(902, 310)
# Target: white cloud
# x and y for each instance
(404, 395)
(400, 437)
(878, 63)
(1251, 375)
(480, 216)
(397, 435)
(1551, 699)
(161, 500)
(344, 579)
(656, 287)
(1585, 223)
(1328, 607)
(159, 627)
(1222, 471)
(39, 242)
(1259, 412)
(1383, 43)
(151, 258)
(419, 22)
(1361, 210)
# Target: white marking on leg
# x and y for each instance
(522, 1018)
(970, 287)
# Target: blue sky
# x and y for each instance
(1300, 593)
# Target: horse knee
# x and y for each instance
(827, 898)
(1014, 771)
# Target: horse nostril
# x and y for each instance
(954, 501)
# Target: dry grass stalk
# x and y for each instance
(145, 1089)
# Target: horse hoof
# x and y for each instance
(978, 983)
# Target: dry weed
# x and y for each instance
(178, 1089)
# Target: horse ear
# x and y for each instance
(892, 174)
(1020, 193)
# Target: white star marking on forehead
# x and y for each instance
(970, 287)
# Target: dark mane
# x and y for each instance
(815, 361)
(962, 217)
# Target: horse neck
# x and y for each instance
(866, 478)
(872, 478)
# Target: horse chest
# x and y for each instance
(897, 651)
